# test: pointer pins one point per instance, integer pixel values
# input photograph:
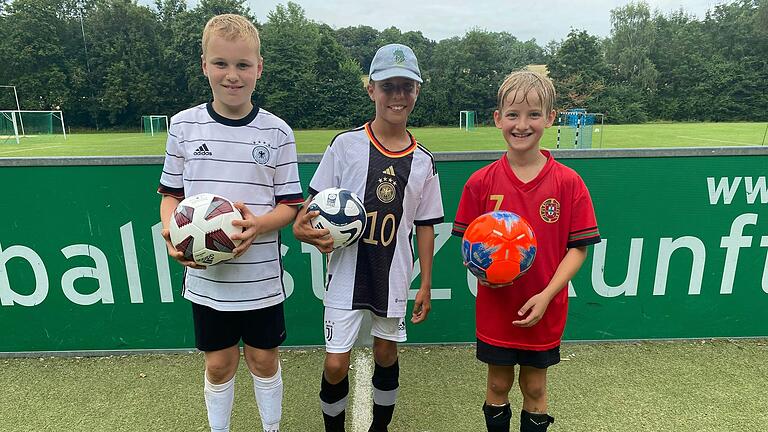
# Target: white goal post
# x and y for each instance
(152, 123)
(18, 107)
(9, 117)
(466, 120)
(16, 118)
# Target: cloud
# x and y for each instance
(543, 21)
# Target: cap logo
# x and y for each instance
(398, 56)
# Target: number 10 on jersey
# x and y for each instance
(380, 231)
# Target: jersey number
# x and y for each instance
(386, 232)
(498, 199)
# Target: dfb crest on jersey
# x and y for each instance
(386, 191)
(261, 154)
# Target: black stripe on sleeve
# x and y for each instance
(174, 192)
(289, 199)
(593, 228)
(286, 183)
(584, 242)
(429, 222)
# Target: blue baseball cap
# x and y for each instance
(395, 60)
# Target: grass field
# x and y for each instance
(693, 386)
(436, 139)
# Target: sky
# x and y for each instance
(443, 19)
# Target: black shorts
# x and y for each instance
(500, 356)
(259, 328)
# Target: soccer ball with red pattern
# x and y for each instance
(498, 247)
(201, 228)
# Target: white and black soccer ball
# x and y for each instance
(342, 212)
(201, 228)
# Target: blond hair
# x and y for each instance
(521, 82)
(231, 27)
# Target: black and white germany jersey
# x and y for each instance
(400, 190)
(252, 160)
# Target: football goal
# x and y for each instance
(467, 120)
(9, 126)
(575, 128)
(15, 124)
(154, 124)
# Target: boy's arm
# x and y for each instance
(255, 226)
(303, 231)
(425, 243)
(538, 304)
(167, 205)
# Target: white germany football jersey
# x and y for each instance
(252, 160)
(400, 190)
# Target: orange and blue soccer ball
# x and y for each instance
(498, 247)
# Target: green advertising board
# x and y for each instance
(684, 254)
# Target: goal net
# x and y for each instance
(15, 124)
(467, 120)
(154, 124)
(9, 126)
(575, 128)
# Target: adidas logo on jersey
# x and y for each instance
(203, 151)
(389, 171)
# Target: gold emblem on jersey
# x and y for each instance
(386, 191)
(550, 210)
(390, 171)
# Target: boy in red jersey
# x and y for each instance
(523, 324)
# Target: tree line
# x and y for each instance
(105, 63)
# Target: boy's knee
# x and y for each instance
(264, 363)
(385, 354)
(336, 369)
(533, 389)
(500, 384)
(220, 371)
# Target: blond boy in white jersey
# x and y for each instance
(231, 148)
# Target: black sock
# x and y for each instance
(497, 418)
(386, 382)
(333, 401)
(530, 422)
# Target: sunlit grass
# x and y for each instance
(436, 139)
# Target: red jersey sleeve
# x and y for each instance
(583, 231)
(470, 207)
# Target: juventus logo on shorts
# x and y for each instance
(328, 331)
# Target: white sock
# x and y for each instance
(218, 401)
(269, 398)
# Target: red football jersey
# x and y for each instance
(557, 205)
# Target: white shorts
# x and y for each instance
(342, 327)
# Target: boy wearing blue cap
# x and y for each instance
(396, 178)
